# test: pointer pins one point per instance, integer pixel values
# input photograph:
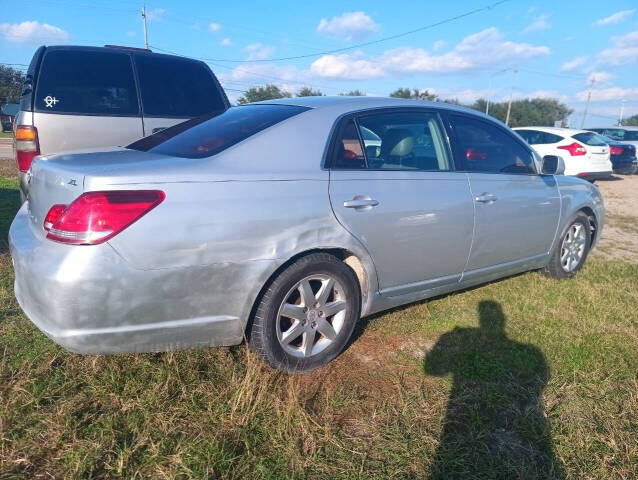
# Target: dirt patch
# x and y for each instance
(8, 168)
(620, 235)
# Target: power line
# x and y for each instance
(358, 45)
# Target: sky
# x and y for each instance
(466, 49)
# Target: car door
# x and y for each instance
(174, 90)
(517, 210)
(85, 99)
(396, 192)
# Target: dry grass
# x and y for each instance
(423, 391)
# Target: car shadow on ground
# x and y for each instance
(9, 205)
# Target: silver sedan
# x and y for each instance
(284, 222)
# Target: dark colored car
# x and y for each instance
(623, 156)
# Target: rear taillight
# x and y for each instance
(616, 150)
(26, 145)
(574, 149)
(94, 217)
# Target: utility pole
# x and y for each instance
(489, 89)
(509, 104)
(145, 29)
(591, 86)
(622, 110)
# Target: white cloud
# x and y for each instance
(539, 23)
(478, 51)
(156, 14)
(259, 51)
(599, 77)
(214, 27)
(615, 18)
(348, 26)
(439, 45)
(33, 32)
(226, 42)
(573, 64)
(611, 93)
(623, 51)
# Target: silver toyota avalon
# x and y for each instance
(284, 222)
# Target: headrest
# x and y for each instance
(397, 142)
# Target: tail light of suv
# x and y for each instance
(574, 149)
(95, 217)
(26, 145)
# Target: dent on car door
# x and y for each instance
(174, 90)
(393, 188)
(517, 210)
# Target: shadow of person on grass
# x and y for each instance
(495, 426)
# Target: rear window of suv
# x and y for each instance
(208, 135)
(174, 87)
(86, 83)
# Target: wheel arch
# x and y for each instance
(593, 223)
(366, 278)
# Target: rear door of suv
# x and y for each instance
(174, 89)
(86, 99)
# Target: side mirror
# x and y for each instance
(553, 165)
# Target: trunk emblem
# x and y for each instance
(73, 182)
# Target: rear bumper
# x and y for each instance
(625, 167)
(90, 300)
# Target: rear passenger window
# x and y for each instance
(86, 83)
(393, 141)
(172, 87)
(482, 147)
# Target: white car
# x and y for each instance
(585, 153)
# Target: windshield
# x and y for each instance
(210, 134)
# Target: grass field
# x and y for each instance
(6, 134)
(524, 378)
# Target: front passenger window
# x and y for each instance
(486, 148)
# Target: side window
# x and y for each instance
(551, 138)
(173, 87)
(404, 141)
(86, 82)
(533, 137)
(348, 153)
(482, 147)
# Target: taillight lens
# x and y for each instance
(26, 146)
(616, 150)
(94, 217)
(574, 149)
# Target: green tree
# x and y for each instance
(631, 121)
(542, 112)
(10, 84)
(353, 93)
(309, 92)
(415, 94)
(257, 94)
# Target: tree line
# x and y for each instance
(529, 111)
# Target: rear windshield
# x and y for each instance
(591, 139)
(86, 83)
(205, 136)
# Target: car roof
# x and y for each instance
(556, 130)
(346, 103)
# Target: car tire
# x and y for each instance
(571, 250)
(306, 316)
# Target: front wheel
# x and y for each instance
(571, 251)
(307, 315)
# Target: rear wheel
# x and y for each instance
(307, 315)
(571, 251)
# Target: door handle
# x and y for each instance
(486, 198)
(361, 202)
